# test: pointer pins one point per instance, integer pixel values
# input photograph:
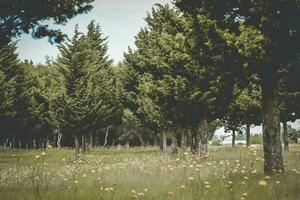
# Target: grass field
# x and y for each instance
(226, 173)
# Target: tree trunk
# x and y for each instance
(83, 144)
(248, 136)
(77, 146)
(140, 136)
(184, 141)
(4, 145)
(106, 135)
(189, 138)
(203, 137)
(285, 136)
(233, 138)
(194, 140)
(163, 142)
(91, 140)
(45, 140)
(155, 143)
(59, 137)
(271, 122)
(174, 143)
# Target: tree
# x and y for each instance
(25, 109)
(91, 100)
(156, 63)
(17, 17)
(182, 86)
(265, 34)
(289, 94)
(212, 73)
(233, 118)
(245, 109)
(52, 88)
(8, 62)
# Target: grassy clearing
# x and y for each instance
(226, 173)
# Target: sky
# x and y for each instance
(120, 21)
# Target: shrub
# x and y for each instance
(256, 139)
(216, 142)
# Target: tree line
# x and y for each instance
(195, 66)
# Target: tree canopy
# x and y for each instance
(17, 17)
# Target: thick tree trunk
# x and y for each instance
(285, 136)
(248, 135)
(83, 144)
(233, 138)
(59, 137)
(203, 135)
(77, 146)
(271, 122)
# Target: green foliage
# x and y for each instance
(293, 134)
(7, 82)
(90, 99)
(24, 108)
(216, 142)
(157, 62)
(245, 108)
(256, 138)
(25, 16)
(264, 37)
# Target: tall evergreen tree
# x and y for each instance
(266, 35)
(89, 96)
(8, 66)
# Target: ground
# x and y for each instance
(145, 173)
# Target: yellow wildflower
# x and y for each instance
(262, 183)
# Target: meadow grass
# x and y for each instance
(145, 173)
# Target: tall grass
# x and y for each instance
(225, 173)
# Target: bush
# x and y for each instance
(216, 142)
(256, 139)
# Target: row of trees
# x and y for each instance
(75, 95)
(195, 67)
(199, 65)
(265, 36)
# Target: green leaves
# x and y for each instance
(91, 98)
(25, 16)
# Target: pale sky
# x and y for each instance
(120, 20)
